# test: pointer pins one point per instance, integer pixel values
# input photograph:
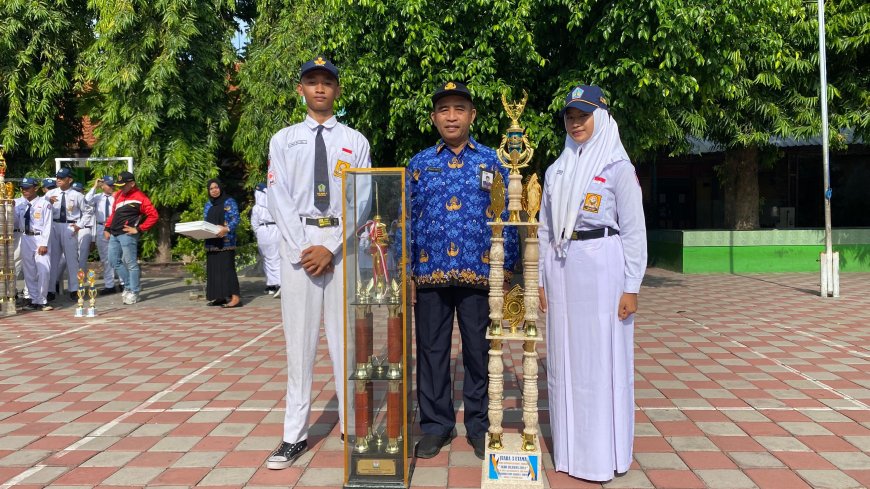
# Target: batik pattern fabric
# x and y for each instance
(450, 238)
(232, 218)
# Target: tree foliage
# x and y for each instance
(40, 41)
(156, 80)
(269, 74)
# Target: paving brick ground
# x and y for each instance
(742, 381)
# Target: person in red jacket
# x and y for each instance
(132, 213)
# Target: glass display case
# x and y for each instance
(377, 380)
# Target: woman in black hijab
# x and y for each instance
(222, 283)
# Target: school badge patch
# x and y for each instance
(340, 167)
(592, 203)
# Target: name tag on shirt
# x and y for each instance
(486, 179)
(433, 169)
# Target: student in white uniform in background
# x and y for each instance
(306, 161)
(100, 197)
(33, 218)
(593, 258)
(67, 211)
(268, 238)
(86, 233)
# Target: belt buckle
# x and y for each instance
(323, 222)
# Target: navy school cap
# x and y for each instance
(27, 182)
(49, 183)
(318, 63)
(108, 180)
(586, 98)
(64, 173)
(261, 187)
(78, 186)
(451, 88)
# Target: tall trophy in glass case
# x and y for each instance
(377, 381)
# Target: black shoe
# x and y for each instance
(74, 296)
(50, 296)
(430, 445)
(286, 454)
(479, 445)
(107, 291)
(30, 307)
(216, 302)
(341, 439)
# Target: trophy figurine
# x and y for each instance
(92, 293)
(80, 310)
(515, 152)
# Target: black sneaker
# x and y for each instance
(50, 296)
(286, 454)
(479, 445)
(30, 307)
(107, 291)
(430, 445)
(74, 296)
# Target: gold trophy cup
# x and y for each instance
(92, 293)
(80, 310)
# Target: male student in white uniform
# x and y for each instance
(102, 202)
(67, 211)
(33, 219)
(305, 165)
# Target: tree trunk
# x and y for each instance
(164, 235)
(740, 185)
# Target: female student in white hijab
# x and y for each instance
(593, 258)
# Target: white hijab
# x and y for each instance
(578, 165)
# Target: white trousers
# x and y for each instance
(103, 250)
(64, 249)
(304, 300)
(37, 269)
(590, 360)
(85, 237)
(269, 244)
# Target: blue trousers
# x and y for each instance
(123, 251)
(434, 313)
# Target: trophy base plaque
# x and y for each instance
(80, 312)
(92, 312)
(511, 466)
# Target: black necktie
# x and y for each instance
(106, 212)
(321, 173)
(62, 216)
(27, 220)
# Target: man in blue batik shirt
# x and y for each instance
(450, 263)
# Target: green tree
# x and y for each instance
(157, 83)
(39, 45)
(269, 74)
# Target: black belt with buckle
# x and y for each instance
(593, 234)
(31, 233)
(101, 224)
(321, 222)
(271, 223)
(16, 230)
(64, 222)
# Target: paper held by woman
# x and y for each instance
(198, 229)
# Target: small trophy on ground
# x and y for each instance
(80, 310)
(92, 293)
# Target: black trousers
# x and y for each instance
(434, 315)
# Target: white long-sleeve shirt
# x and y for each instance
(613, 199)
(40, 218)
(74, 201)
(291, 178)
(98, 202)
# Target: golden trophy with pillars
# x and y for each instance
(92, 293)
(514, 459)
(80, 309)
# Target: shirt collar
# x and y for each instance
(312, 124)
(472, 144)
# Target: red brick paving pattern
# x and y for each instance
(741, 381)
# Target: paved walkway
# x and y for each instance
(742, 381)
